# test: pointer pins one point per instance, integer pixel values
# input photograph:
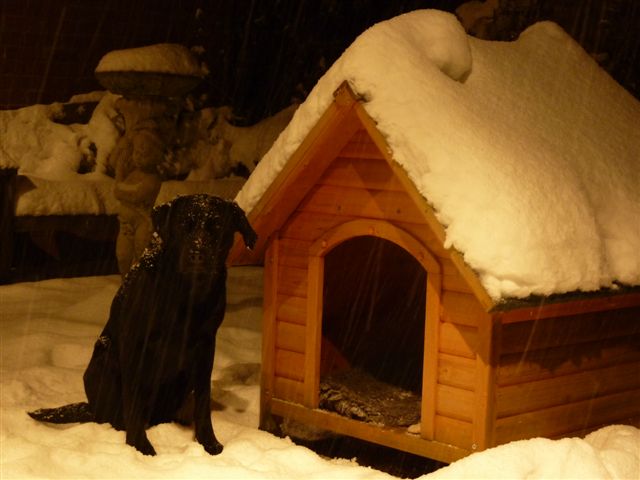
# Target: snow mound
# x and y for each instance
(47, 341)
(527, 150)
(36, 145)
(160, 58)
(444, 43)
(611, 452)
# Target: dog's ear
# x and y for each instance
(160, 218)
(242, 225)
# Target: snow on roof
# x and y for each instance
(528, 151)
(160, 58)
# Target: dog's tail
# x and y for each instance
(72, 413)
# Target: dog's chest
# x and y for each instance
(177, 337)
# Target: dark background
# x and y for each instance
(262, 54)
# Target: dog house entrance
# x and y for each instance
(373, 332)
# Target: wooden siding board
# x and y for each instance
(572, 417)
(361, 146)
(535, 365)
(571, 330)
(566, 389)
(290, 336)
(564, 308)
(455, 403)
(451, 279)
(361, 202)
(287, 389)
(453, 432)
(289, 365)
(458, 340)
(462, 309)
(293, 253)
(292, 281)
(292, 309)
(309, 225)
(362, 173)
(456, 371)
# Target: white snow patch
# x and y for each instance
(47, 332)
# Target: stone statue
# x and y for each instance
(153, 82)
(140, 158)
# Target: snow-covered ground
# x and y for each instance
(47, 332)
(47, 329)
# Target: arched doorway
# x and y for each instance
(364, 277)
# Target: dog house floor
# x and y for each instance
(356, 394)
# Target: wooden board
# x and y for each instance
(535, 365)
(533, 396)
(452, 281)
(292, 309)
(572, 330)
(361, 173)
(559, 308)
(570, 417)
(455, 403)
(361, 146)
(269, 328)
(390, 437)
(458, 340)
(454, 371)
(309, 225)
(462, 309)
(287, 389)
(289, 365)
(363, 203)
(454, 432)
(294, 253)
(292, 281)
(290, 336)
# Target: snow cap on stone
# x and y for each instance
(160, 58)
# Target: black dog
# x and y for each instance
(158, 345)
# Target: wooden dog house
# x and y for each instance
(489, 375)
(342, 219)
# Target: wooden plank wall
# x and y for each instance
(359, 183)
(568, 375)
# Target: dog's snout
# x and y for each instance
(196, 256)
(197, 250)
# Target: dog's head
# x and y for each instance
(197, 232)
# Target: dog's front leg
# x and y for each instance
(202, 411)
(135, 419)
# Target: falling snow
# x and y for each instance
(471, 90)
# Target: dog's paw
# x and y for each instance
(214, 448)
(144, 447)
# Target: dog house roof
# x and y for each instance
(528, 152)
